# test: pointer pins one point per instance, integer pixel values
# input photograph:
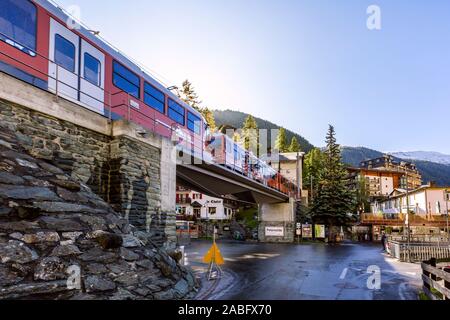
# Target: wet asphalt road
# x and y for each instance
(255, 271)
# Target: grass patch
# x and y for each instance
(423, 296)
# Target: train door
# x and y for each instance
(64, 61)
(78, 66)
(92, 80)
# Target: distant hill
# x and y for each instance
(431, 171)
(236, 119)
(354, 155)
(436, 170)
(424, 156)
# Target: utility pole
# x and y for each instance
(407, 215)
(299, 184)
(446, 199)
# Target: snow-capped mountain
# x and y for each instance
(423, 156)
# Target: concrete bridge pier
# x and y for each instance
(277, 222)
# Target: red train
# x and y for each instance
(41, 44)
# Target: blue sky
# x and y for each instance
(300, 64)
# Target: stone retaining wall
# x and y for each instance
(123, 171)
(59, 240)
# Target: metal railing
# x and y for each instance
(417, 251)
(401, 218)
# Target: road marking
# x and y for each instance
(401, 289)
(343, 274)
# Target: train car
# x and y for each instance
(43, 46)
(228, 153)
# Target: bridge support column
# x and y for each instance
(277, 222)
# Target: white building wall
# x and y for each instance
(206, 203)
(387, 185)
(427, 201)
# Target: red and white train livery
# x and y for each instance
(43, 46)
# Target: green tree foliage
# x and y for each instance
(281, 141)
(189, 95)
(334, 201)
(313, 167)
(362, 202)
(250, 134)
(295, 146)
(236, 118)
(209, 117)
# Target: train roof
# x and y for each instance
(107, 47)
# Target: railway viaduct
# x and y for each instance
(133, 170)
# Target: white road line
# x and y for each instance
(343, 274)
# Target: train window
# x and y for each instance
(18, 22)
(91, 69)
(126, 80)
(64, 53)
(153, 97)
(176, 112)
(194, 123)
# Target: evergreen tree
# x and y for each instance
(189, 95)
(281, 141)
(209, 117)
(295, 146)
(334, 201)
(250, 134)
(313, 167)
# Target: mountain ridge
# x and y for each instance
(236, 119)
(352, 156)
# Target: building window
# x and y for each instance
(18, 23)
(64, 53)
(194, 123)
(197, 212)
(153, 97)
(91, 69)
(176, 112)
(126, 80)
(212, 210)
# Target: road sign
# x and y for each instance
(213, 255)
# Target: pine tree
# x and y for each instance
(334, 200)
(209, 117)
(295, 146)
(189, 95)
(281, 141)
(250, 134)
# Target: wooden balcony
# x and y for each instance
(399, 219)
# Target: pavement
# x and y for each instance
(309, 271)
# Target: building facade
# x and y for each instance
(290, 165)
(410, 176)
(199, 206)
(426, 201)
(378, 183)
